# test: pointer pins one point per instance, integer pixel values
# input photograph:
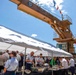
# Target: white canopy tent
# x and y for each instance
(49, 53)
(14, 41)
(4, 46)
(44, 53)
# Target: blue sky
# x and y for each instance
(26, 24)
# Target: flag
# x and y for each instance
(57, 7)
(54, 3)
(60, 12)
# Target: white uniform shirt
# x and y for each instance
(64, 63)
(40, 61)
(71, 62)
(18, 57)
(11, 64)
(5, 56)
(36, 60)
(29, 57)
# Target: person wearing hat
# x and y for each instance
(11, 64)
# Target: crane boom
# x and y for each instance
(60, 26)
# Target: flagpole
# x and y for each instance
(62, 17)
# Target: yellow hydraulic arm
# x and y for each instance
(60, 26)
(34, 10)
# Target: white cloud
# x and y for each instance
(43, 2)
(50, 4)
(58, 2)
(53, 10)
(63, 11)
(34, 35)
(60, 7)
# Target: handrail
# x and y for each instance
(66, 17)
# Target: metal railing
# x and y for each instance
(66, 17)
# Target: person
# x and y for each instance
(36, 60)
(5, 55)
(29, 61)
(57, 61)
(1, 63)
(40, 60)
(72, 65)
(46, 59)
(18, 56)
(65, 66)
(21, 61)
(11, 65)
(52, 62)
(3, 58)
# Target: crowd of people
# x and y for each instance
(12, 61)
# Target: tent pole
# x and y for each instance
(52, 57)
(41, 49)
(9, 47)
(24, 61)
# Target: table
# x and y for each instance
(49, 72)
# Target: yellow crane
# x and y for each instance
(62, 27)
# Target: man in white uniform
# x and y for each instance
(5, 56)
(29, 61)
(36, 60)
(65, 66)
(40, 61)
(18, 56)
(11, 64)
(72, 65)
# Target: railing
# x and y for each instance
(66, 17)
